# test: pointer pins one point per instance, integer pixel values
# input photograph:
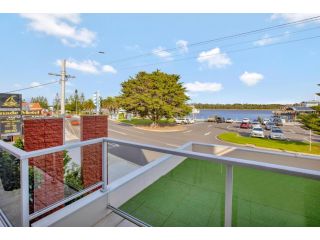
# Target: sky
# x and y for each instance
(253, 68)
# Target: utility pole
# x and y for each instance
(63, 78)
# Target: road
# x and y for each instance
(207, 133)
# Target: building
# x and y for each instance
(312, 103)
(290, 113)
(32, 109)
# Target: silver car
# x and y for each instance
(276, 133)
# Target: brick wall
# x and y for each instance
(40, 134)
(92, 127)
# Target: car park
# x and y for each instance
(277, 133)
(257, 132)
(245, 125)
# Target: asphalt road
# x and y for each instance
(206, 133)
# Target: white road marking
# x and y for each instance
(187, 131)
(172, 145)
(122, 133)
(206, 134)
(210, 125)
(228, 126)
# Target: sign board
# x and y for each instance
(10, 126)
(10, 114)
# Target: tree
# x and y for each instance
(56, 102)
(111, 104)
(43, 101)
(88, 105)
(155, 95)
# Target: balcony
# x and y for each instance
(142, 185)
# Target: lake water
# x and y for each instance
(234, 114)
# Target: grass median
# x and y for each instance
(293, 146)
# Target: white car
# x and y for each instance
(276, 133)
(181, 120)
(246, 120)
(264, 122)
(229, 120)
(190, 120)
(257, 132)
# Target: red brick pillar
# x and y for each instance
(40, 134)
(92, 127)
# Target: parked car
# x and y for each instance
(256, 123)
(229, 120)
(212, 118)
(181, 120)
(265, 121)
(220, 120)
(276, 133)
(245, 125)
(278, 122)
(257, 132)
(190, 120)
(246, 120)
(269, 125)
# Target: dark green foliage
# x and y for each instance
(19, 143)
(311, 121)
(155, 95)
(72, 174)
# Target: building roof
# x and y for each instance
(31, 106)
(302, 109)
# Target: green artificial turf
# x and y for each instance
(192, 194)
(293, 146)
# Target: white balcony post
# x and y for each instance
(228, 196)
(24, 183)
(104, 166)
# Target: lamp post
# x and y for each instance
(76, 98)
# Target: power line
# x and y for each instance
(38, 85)
(250, 41)
(312, 19)
(239, 50)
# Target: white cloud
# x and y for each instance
(293, 17)
(183, 46)
(265, 40)
(109, 69)
(62, 26)
(88, 66)
(162, 53)
(203, 87)
(214, 58)
(35, 84)
(251, 78)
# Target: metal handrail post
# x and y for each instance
(24, 182)
(104, 166)
(228, 196)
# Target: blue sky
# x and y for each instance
(33, 44)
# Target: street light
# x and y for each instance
(76, 97)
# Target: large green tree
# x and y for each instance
(43, 101)
(155, 95)
(88, 105)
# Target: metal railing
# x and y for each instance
(229, 162)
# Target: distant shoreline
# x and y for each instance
(237, 109)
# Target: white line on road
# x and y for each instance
(172, 145)
(228, 126)
(206, 134)
(187, 131)
(122, 133)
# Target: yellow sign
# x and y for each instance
(10, 102)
